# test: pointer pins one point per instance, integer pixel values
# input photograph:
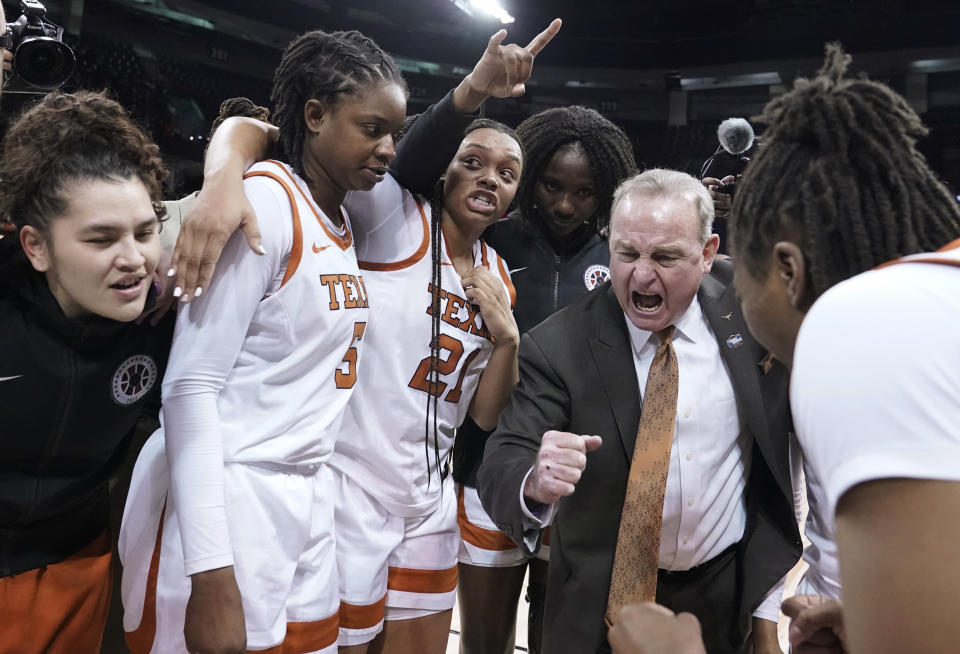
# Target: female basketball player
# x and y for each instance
(240, 553)
(442, 344)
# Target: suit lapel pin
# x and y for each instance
(734, 341)
(727, 316)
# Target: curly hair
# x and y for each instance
(321, 65)
(607, 146)
(839, 171)
(66, 138)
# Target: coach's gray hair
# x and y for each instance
(661, 182)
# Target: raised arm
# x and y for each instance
(432, 139)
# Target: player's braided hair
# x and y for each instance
(839, 170)
(236, 107)
(437, 203)
(239, 107)
(606, 145)
(321, 65)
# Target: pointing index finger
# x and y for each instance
(541, 40)
(493, 45)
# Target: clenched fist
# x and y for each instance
(560, 463)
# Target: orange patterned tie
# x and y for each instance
(634, 577)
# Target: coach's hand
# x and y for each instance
(560, 463)
(214, 622)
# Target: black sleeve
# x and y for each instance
(540, 402)
(428, 146)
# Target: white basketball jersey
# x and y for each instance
(386, 445)
(285, 397)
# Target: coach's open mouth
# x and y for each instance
(646, 303)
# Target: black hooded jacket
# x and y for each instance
(546, 281)
(70, 393)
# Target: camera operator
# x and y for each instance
(40, 61)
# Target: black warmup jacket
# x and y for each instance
(70, 394)
(546, 281)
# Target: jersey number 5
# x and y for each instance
(349, 378)
(446, 366)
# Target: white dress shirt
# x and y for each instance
(704, 506)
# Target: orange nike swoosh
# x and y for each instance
(317, 250)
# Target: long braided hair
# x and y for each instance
(607, 146)
(437, 202)
(839, 171)
(321, 65)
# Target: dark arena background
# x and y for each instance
(666, 71)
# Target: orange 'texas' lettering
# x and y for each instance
(352, 292)
(450, 305)
(351, 295)
(330, 281)
(454, 304)
(363, 290)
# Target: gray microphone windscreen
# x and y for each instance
(736, 135)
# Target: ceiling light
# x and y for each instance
(489, 7)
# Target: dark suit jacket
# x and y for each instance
(577, 375)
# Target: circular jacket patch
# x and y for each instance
(133, 379)
(595, 275)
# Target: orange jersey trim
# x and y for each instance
(487, 539)
(413, 258)
(507, 281)
(140, 641)
(362, 616)
(342, 242)
(307, 636)
(952, 245)
(410, 580)
(296, 252)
